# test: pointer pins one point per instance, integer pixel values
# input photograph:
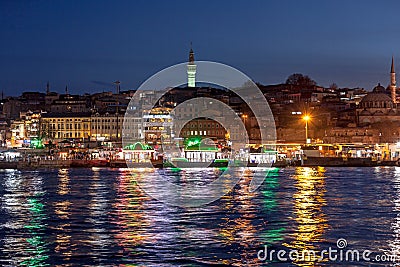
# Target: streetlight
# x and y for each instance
(244, 116)
(306, 118)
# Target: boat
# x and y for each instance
(90, 163)
(185, 163)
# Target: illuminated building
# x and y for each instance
(377, 106)
(31, 120)
(106, 126)
(204, 128)
(17, 129)
(157, 126)
(59, 126)
(191, 70)
(3, 132)
(84, 126)
(25, 129)
(381, 104)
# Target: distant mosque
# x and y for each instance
(381, 104)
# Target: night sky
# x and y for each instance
(89, 44)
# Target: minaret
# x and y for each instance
(393, 82)
(117, 83)
(48, 88)
(66, 89)
(191, 69)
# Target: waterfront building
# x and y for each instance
(4, 129)
(60, 126)
(106, 126)
(204, 128)
(17, 129)
(158, 126)
(25, 129)
(352, 135)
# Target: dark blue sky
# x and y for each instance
(87, 44)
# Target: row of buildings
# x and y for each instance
(337, 115)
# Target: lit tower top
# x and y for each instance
(191, 69)
(393, 82)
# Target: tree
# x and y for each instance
(333, 86)
(300, 80)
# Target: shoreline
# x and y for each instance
(308, 162)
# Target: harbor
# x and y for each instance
(138, 155)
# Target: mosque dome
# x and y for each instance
(377, 98)
(379, 89)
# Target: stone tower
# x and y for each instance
(393, 82)
(191, 69)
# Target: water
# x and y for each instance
(100, 217)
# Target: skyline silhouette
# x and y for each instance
(90, 45)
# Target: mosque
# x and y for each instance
(380, 105)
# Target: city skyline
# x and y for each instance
(88, 47)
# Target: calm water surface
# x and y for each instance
(100, 217)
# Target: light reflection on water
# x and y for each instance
(311, 222)
(394, 244)
(100, 217)
(24, 232)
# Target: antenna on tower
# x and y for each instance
(117, 83)
(191, 54)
